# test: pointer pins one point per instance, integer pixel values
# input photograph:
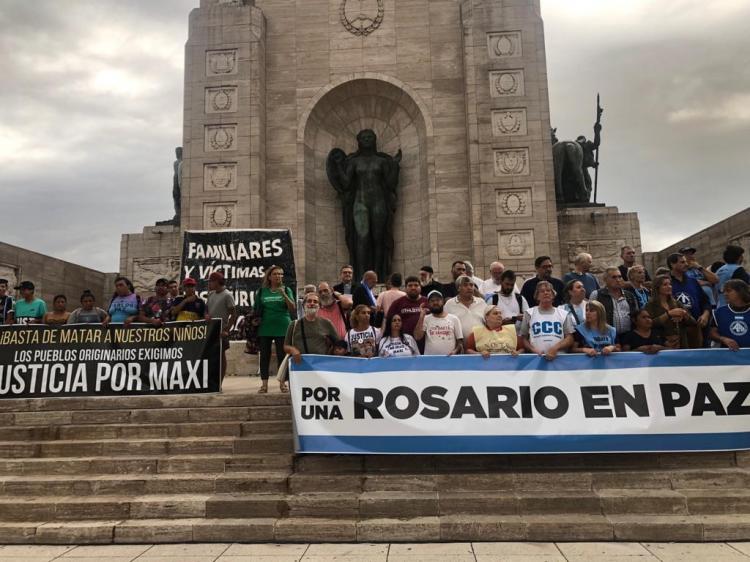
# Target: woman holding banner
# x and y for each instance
(594, 336)
(362, 339)
(546, 330)
(125, 304)
(395, 343)
(671, 320)
(275, 305)
(493, 336)
(642, 337)
(730, 326)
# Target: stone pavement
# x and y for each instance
(422, 552)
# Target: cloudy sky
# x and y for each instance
(91, 110)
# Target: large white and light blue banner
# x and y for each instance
(627, 402)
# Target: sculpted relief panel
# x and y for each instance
(505, 44)
(219, 215)
(10, 273)
(220, 176)
(220, 138)
(507, 83)
(361, 17)
(221, 63)
(221, 100)
(147, 270)
(512, 162)
(509, 122)
(515, 244)
(514, 203)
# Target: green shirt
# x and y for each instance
(275, 313)
(24, 312)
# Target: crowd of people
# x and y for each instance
(684, 306)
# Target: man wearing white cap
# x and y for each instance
(440, 329)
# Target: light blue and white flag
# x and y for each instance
(626, 402)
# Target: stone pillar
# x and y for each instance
(513, 209)
(224, 117)
(599, 231)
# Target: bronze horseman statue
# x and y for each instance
(572, 159)
(366, 183)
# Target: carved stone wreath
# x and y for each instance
(364, 23)
(513, 204)
(222, 99)
(506, 84)
(511, 162)
(221, 139)
(221, 217)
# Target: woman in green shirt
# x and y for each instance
(275, 304)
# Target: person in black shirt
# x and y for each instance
(347, 285)
(6, 301)
(642, 337)
(543, 265)
(449, 290)
(627, 253)
(427, 282)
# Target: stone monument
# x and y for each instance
(459, 86)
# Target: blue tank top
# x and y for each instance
(733, 324)
(595, 339)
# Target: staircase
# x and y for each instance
(222, 468)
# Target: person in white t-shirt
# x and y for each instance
(508, 300)
(362, 339)
(394, 342)
(546, 330)
(441, 330)
(465, 306)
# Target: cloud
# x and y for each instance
(675, 94)
(92, 110)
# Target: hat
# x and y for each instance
(688, 250)
(216, 276)
(189, 281)
(25, 285)
(433, 293)
(428, 269)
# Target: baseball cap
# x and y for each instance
(688, 250)
(25, 285)
(189, 281)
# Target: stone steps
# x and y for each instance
(187, 401)
(146, 464)
(145, 416)
(76, 432)
(591, 528)
(271, 443)
(375, 505)
(142, 484)
(220, 468)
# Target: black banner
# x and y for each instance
(116, 360)
(242, 256)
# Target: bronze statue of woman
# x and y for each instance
(366, 182)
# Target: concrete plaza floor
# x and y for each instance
(426, 552)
